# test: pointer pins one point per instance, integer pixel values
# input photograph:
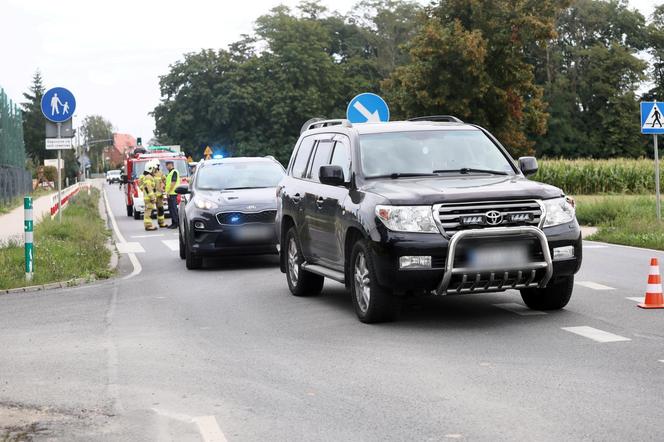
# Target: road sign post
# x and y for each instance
(652, 122)
(28, 226)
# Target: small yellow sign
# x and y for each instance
(208, 153)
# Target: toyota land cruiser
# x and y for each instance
(426, 205)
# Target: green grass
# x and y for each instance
(622, 219)
(72, 249)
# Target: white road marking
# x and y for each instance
(661, 360)
(594, 285)
(593, 246)
(148, 236)
(636, 299)
(595, 334)
(519, 309)
(132, 257)
(172, 244)
(209, 429)
(130, 247)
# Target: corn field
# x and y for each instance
(587, 177)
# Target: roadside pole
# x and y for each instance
(59, 179)
(659, 208)
(28, 226)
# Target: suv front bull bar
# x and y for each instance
(501, 283)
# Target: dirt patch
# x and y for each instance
(19, 423)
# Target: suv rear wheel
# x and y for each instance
(373, 303)
(300, 282)
(192, 261)
(552, 297)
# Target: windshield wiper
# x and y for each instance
(466, 170)
(241, 188)
(402, 175)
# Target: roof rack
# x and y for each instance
(325, 123)
(438, 118)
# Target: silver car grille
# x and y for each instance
(453, 217)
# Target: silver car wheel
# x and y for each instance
(293, 265)
(362, 283)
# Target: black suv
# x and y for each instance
(426, 205)
(229, 208)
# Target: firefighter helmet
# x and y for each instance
(152, 166)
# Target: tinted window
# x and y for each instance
(321, 158)
(302, 157)
(341, 157)
(238, 175)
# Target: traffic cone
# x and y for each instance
(654, 296)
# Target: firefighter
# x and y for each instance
(160, 184)
(147, 185)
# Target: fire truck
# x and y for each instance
(135, 165)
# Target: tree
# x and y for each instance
(34, 129)
(97, 135)
(469, 59)
(656, 43)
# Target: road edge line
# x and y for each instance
(114, 225)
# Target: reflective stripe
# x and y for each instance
(654, 270)
(28, 237)
(654, 288)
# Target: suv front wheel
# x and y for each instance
(551, 297)
(373, 303)
(300, 282)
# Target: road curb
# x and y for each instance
(50, 286)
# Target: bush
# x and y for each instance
(588, 177)
(51, 173)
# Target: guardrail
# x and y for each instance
(67, 193)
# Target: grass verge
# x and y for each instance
(622, 219)
(75, 248)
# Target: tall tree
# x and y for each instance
(656, 43)
(469, 59)
(97, 136)
(34, 131)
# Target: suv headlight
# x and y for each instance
(407, 218)
(558, 211)
(205, 204)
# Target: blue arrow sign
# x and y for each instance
(58, 104)
(652, 120)
(367, 108)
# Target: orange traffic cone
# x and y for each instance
(654, 296)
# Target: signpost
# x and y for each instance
(367, 108)
(27, 228)
(58, 105)
(652, 122)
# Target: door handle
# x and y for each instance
(319, 202)
(296, 198)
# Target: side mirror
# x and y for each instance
(528, 165)
(182, 189)
(331, 175)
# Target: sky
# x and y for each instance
(110, 54)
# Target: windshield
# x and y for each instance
(245, 175)
(181, 165)
(426, 152)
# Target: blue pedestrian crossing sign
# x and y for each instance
(652, 119)
(58, 104)
(367, 108)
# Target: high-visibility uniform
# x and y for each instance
(172, 181)
(160, 182)
(147, 185)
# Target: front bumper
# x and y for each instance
(447, 276)
(227, 241)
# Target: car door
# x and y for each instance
(332, 206)
(314, 197)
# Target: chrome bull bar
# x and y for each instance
(525, 274)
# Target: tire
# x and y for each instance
(183, 246)
(552, 297)
(373, 303)
(130, 209)
(192, 261)
(300, 282)
(137, 214)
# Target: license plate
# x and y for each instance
(254, 233)
(498, 257)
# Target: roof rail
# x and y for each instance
(325, 123)
(438, 118)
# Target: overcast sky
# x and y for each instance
(110, 54)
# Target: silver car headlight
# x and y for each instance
(407, 218)
(205, 204)
(558, 211)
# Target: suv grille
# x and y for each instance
(238, 218)
(454, 217)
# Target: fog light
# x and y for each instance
(199, 225)
(414, 262)
(563, 252)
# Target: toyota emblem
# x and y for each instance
(493, 218)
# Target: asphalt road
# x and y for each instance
(226, 353)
